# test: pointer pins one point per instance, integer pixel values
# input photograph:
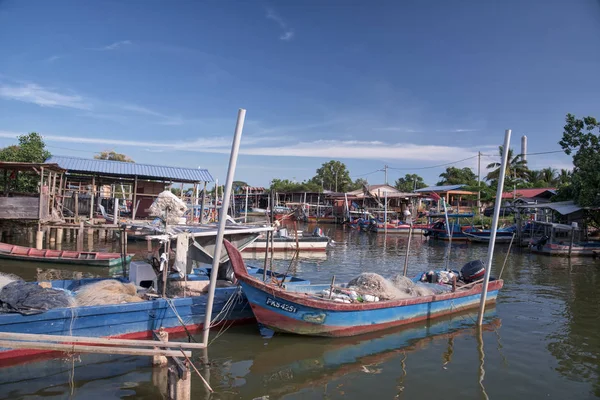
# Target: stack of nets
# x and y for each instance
(27, 298)
(108, 291)
(168, 203)
(399, 287)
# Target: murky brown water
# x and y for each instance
(542, 340)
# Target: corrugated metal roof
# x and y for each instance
(119, 168)
(439, 188)
(528, 192)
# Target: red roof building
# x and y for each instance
(540, 193)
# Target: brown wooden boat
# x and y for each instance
(96, 259)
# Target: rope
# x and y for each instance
(198, 372)
(170, 303)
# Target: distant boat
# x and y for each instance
(96, 259)
(484, 236)
(300, 311)
(400, 228)
(439, 229)
(563, 240)
(282, 241)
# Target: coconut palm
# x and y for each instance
(516, 167)
(564, 177)
(549, 176)
(534, 176)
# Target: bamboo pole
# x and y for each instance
(494, 226)
(91, 349)
(235, 146)
(93, 340)
(410, 232)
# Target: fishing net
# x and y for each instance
(5, 279)
(377, 285)
(108, 291)
(30, 298)
(167, 202)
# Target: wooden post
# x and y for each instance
(203, 197)
(178, 380)
(59, 235)
(77, 191)
(39, 239)
(163, 336)
(133, 203)
(80, 237)
(572, 240)
(92, 193)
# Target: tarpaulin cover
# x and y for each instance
(30, 298)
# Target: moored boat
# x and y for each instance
(89, 258)
(449, 227)
(132, 320)
(282, 241)
(484, 236)
(299, 310)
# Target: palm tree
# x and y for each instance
(564, 178)
(534, 176)
(516, 167)
(549, 175)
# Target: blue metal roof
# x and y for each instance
(437, 188)
(119, 168)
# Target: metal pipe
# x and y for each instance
(410, 232)
(494, 226)
(235, 147)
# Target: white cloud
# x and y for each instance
(288, 33)
(51, 59)
(115, 45)
(44, 97)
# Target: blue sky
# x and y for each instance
(410, 84)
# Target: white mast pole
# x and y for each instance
(494, 227)
(235, 146)
(246, 207)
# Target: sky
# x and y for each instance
(408, 84)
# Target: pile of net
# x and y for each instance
(108, 291)
(370, 287)
(170, 205)
(18, 296)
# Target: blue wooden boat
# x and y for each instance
(439, 226)
(131, 320)
(298, 309)
(312, 363)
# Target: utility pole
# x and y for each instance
(385, 169)
(478, 182)
(336, 181)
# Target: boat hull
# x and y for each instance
(289, 244)
(289, 313)
(562, 250)
(484, 237)
(94, 259)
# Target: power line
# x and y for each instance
(433, 166)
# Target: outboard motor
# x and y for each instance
(472, 271)
(225, 272)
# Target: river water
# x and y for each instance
(540, 341)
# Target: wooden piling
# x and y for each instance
(39, 240)
(30, 235)
(59, 235)
(178, 380)
(163, 336)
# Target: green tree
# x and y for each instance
(358, 184)
(580, 140)
(287, 186)
(333, 175)
(458, 176)
(516, 168)
(564, 177)
(409, 183)
(113, 156)
(239, 187)
(31, 149)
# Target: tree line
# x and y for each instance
(581, 139)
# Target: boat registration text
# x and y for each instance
(285, 307)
